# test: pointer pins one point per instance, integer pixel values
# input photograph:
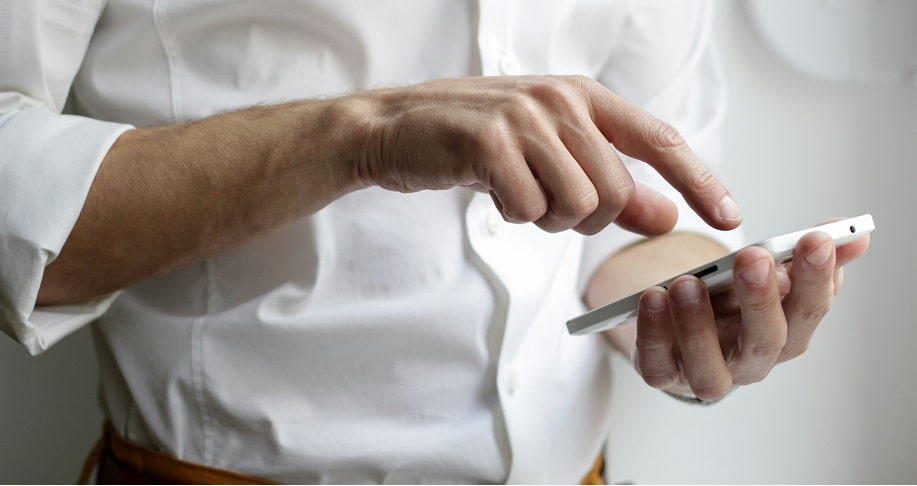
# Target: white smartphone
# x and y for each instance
(717, 275)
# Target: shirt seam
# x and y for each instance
(197, 377)
(171, 53)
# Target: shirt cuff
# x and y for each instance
(47, 164)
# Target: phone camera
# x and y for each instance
(853, 229)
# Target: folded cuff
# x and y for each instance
(47, 165)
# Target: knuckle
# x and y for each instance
(591, 226)
(814, 313)
(578, 208)
(551, 224)
(524, 213)
(766, 350)
(560, 94)
(760, 306)
(703, 181)
(523, 105)
(663, 135)
(619, 195)
(651, 345)
(658, 379)
(608, 207)
(751, 377)
(693, 337)
(585, 86)
(655, 374)
(585, 81)
(795, 350)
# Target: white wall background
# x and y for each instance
(798, 151)
(846, 412)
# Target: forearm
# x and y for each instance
(167, 196)
(644, 264)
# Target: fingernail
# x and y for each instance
(686, 291)
(729, 210)
(654, 301)
(821, 254)
(756, 273)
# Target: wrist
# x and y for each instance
(330, 136)
(371, 118)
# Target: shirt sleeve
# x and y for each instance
(47, 160)
(664, 61)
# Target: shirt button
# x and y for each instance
(509, 65)
(493, 221)
(513, 381)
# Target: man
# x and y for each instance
(322, 247)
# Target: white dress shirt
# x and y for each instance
(387, 338)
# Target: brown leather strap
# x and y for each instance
(91, 462)
(120, 461)
(597, 474)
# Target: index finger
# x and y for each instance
(639, 134)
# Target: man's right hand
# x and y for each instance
(544, 147)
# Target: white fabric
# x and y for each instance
(389, 337)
